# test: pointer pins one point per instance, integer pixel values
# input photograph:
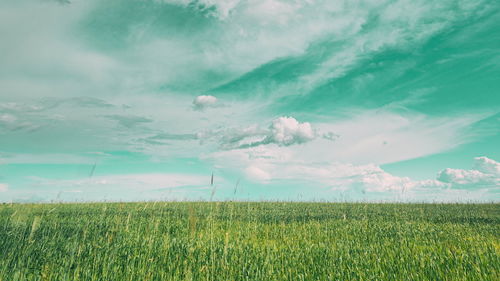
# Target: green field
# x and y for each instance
(249, 241)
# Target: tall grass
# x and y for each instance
(249, 241)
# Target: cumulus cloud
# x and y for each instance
(203, 102)
(264, 164)
(288, 131)
(271, 163)
(380, 180)
(485, 173)
(365, 178)
(283, 131)
(4, 187)
(486, 165)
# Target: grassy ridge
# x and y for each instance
(249, 241)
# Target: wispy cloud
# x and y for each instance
(128, 182)
(321, 92)
(129, 121)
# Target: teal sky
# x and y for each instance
(368, 100)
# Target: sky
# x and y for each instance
(296, 100)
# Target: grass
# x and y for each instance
(249, 241)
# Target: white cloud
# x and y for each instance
(382, 181)
(129, 182)
(247, 34)
(365, 178)
(273, 163)
(283, 131)
(486, 165)
(280, 28)
(203, 102)
(44, 158)
(382, 136)
(288, 131)
(458, 176)
(129, 121)
(4, 187)
(486, 173)
(257, 174)
(7, 118)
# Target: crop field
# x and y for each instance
(249, 241)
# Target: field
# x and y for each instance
(249, 241)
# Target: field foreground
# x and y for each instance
(249, 241)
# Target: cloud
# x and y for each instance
(463, 177)
(129, 121)
(283, 131)
(265, 164)
(274, 164)
(257, 174)
(203, 102)
(25, 158)
(127, 187)
(202, 53)
(364, 178)
(7, 118)
(486, 165)
(227, 39)
(288, 131)
(380, 181)
(164, 138)
(129, 181)
(4, 187)
(143, 78)
(349, 26)
(330, 136)
(383, 136)
(12, 123)
(83, 102)
(485, 173)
